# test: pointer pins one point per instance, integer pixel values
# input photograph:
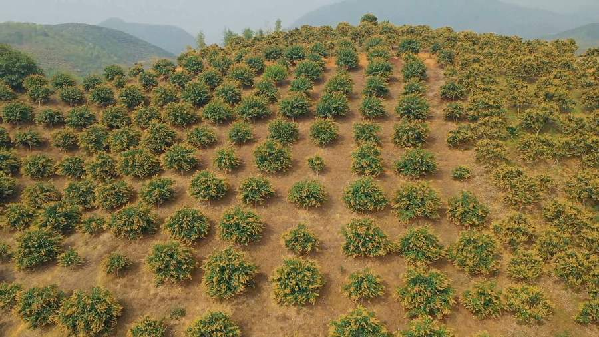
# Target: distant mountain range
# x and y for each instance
(476, 15)
(78, 48)
(586, 36)
(170, 38)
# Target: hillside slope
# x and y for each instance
(586, 36)
(77, 48)
(477, 15)
(167, 37)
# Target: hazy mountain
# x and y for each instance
(476, 15)
(168, 37)
(77, 48)
(586, 36)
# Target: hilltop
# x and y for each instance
(586, 36)
(78, 48)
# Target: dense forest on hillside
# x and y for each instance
(368, 180)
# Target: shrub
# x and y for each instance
(255, 190)
(300, 240)
(218, 112)
(18, 216)
(454, 112)
(307, 194)
(340, 82)
(165, 94)
(70, 259)
(188, 225)
(49, 118)
(139, 163)
(211, 77)
(93, 313)
(452, 91)
(256, 63)
(103, 95)
(366, 160)
(367, 133)
(63, 80)
(426, 327)
(94, 139)
(301, 85)
(409, 46)
(420, 246)
(379, 67)
(7, 187)
(273, 52)
(347, 59)
(295, 53)
(72, 96)
(180, 158)
(490, 152)
(363, 285)
(71, 167)
(5, 256)
(376, 87)
(123, 139)
(330, 105)
(202, 137)
(39, 194)
(276, 73)
(410, 134)
(462, 137)
(5, 141)
(461, 173)
(476, 253)
(148, 327)
(92, 225)
(37, 247)
(363, 195)
(241, 133)
(416, 163)
(115, 263)
(102, 168)
(116, 117)
(81, 193)
(91, 81)
(158, 191)
(574, 267)
(227, 273)
(164, 67)
(363, 238)
(466, 210)
(131, 97)
(240, 226)
(295, 106)
(414, 68)
(9, 294)
(484, 300)
(268, 90)
(358, 322)
(60, 217)
(282, 131)
(113, 195)
(132, 222)
(179, 79)
(272, 157)
(148, 80)
(414, 87)
(525, 265)
(196, 93)
(242, 74)
(206, 186)
(38, 166)
(515, 230)
(413, 107)
(253, 107)
(426, 293)
(180, 114)
(214, 324)
(9, 162)
(528, 304)
(297, 282)
(170, 262)
(38, 306)
(316, 164)
(17, 113)
(80, 117)
(588, 313)
(226, 159)
(6, 92)
(324, 132)
(143, 116)
(372, 107)
(29, 138)
(309, 69)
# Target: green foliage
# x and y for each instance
(358, 322)
(170, 262)
(420, 246)
(116, 117)
(574, 267)
(297, 282)
(80, 117)
(413, 68)
(206, 186)
(363, 238)
(466, 210)
(113, 195)
(133, 222)
(452, 91)
(63, 80)
(37, 247)
(253, 107)
(202, 137)
(268, 90)
(256, 63)
(528, 303)
(131, 96)
(15, 66)
(226, 159)
(164, 94)
(102, 168)
(17, 113)
(347, 58)
(414, 87)
(367, 133)
(295, 106)
(179, 79)
(93, 313)
(462, 137)
(38, 166)
(49, 118)
(113, 71)
(324, 131)
(426, 293)
(29, 138)
(72, 96)
(5, 256)
(240, 226)
(372, 107)
(276, 73)
(426, 327)
(241, 133)
(515, 230)
(148, 80)
(379, 67)
(218, 112)
(188, 225)
(116, 263)
(242, 74)
(331, 105)
(92, 225)
(123, 139)
(255, 190)
(196, 93)
(9, 294)
(180, 114)
(5, 141)
(214, 324)
(139, 163)
(476, 253)
(300, 240)
(588, 313)
(94, 139)
(413, 107)
(7, 187)
(272, 157)
(164, 67)
(18, 216)
(316, 164)
(301, 85)
(148, 327)
(364, 285)
(416, 163)
(283, 131)
(309, 69)
(295, 53)
(9, 162)
(364, 195)
(70, 259)
(211, 77)
(40, 94)
(307, 194)
(227, 273)
(366, 160)
(525, 265)
(409, 46)
(37, 307)
(484, 300)
(340, 82)
(158, 191)
(410, 134)
(102, 95)
(490, 152)
(39, 194)
(60, 217)
(461, 173)
(180, 158)
(376, 86)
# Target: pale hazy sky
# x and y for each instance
(211, 16)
